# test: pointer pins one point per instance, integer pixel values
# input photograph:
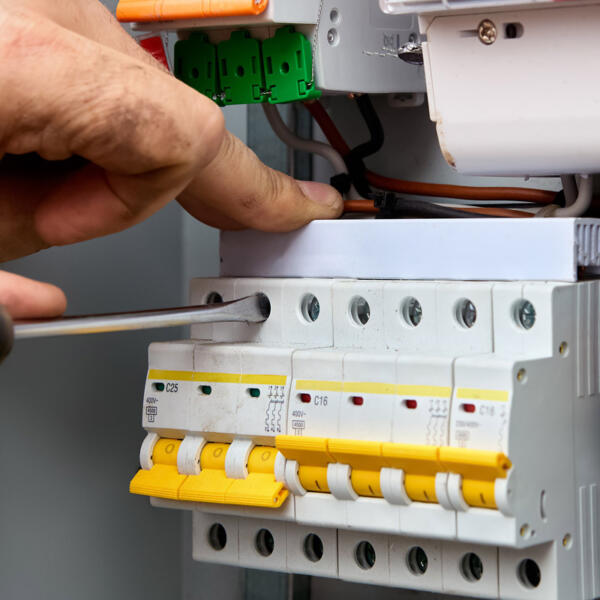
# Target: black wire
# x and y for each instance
(355, 158)
(369, 114)
(393, 207)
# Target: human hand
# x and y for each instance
(76, 85)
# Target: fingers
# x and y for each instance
(92, 20)
(28, 299)
(147, 133)
(247, 193)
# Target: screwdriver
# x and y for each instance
(251, 309)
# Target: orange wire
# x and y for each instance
(418, 188)
(360, 206)
(368, 207)
(495, 212)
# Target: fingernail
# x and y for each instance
(321, 193)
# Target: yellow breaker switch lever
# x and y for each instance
(420, 465)
(312, 457)
(479, 470)
(366, 461)
(162, 480)
(167, 10)
(211, 484)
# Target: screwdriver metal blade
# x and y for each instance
(252, 309)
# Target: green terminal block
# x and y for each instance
(288, 65)
(196, 65)
(240, 70)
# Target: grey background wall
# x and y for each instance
(70, 423)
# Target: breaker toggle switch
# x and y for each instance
(456, 478)
(167, 10)
(162, 480)
(366, 462)
(473, 475)
(312, 457)
(420, 465)
(211, 483)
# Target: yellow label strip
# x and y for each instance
(218, 377)
(173, 375)
(367, 387)
(318, 386)
(437, 391)
(264, 379)
(477, 394)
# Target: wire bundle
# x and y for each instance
(353, 177)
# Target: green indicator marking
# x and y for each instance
(240, 69)
(196, 65)
(206, 390)
(288, 65)
(254, 392)
(159, 387)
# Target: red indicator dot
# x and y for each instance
(412, 404)
(305, 398)
(358, 400)
(468, 408)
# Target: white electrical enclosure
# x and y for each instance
(460, 249)
(398, 7)
(519, 105)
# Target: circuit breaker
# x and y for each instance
(458, 466)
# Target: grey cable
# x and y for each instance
(297, 143)
(569, 188)
(583, 200)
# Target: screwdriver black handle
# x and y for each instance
(7, 335)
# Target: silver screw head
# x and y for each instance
(526, 314)
(413, 312)
(332, 37)
(466, 313)
(487, 32)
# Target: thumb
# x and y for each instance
(244, 190)
(28, 299)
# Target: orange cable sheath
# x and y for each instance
(368, 207)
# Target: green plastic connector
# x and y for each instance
(288, 65)
(240, 70)
(196, 65)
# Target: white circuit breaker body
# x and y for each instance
(373, 456)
